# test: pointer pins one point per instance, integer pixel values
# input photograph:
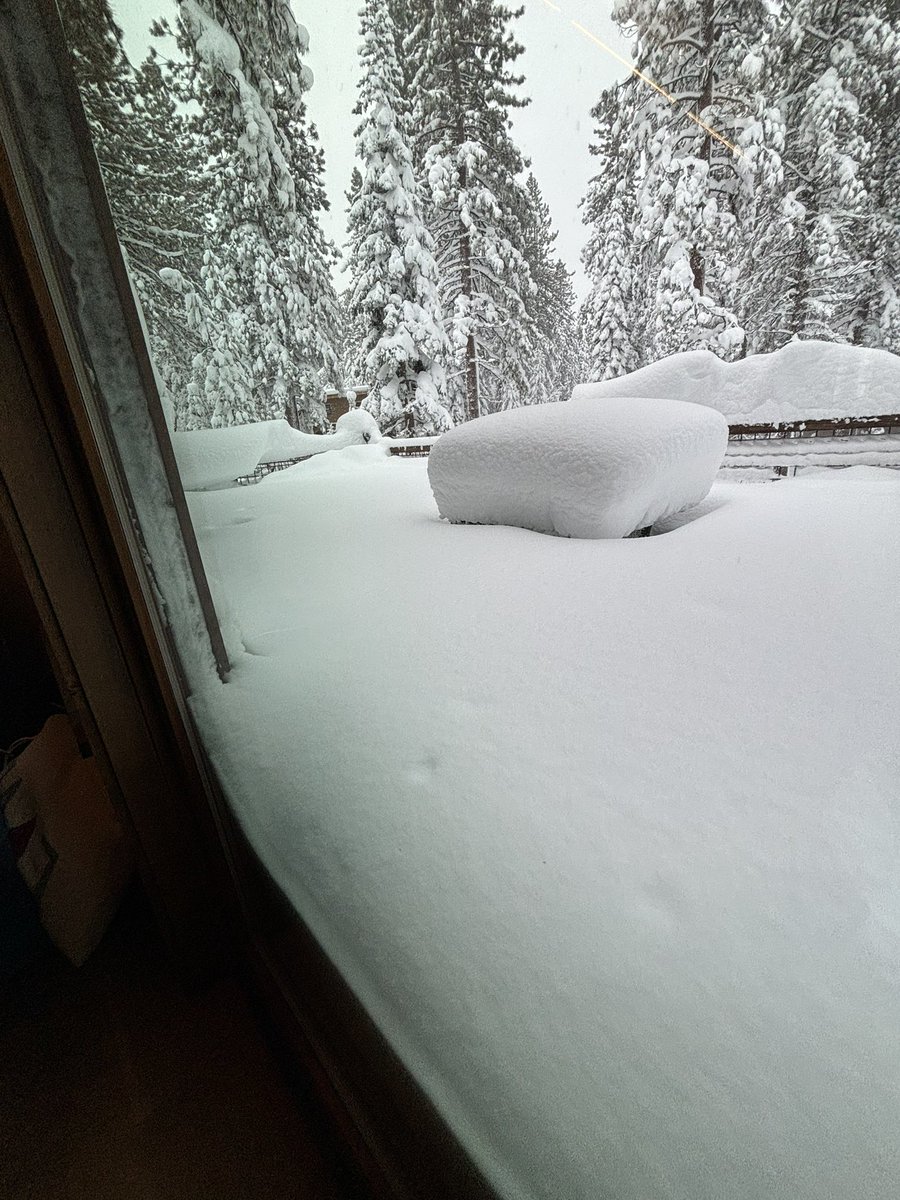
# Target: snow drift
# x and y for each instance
(608, 847)
(214, 458)
(815, 381)
(577, 470)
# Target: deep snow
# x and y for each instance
(808, 380)
(590, 471)
(214, 458)
(603, 833)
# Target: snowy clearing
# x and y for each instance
(604, 834)
(809, 380)
(589, 471)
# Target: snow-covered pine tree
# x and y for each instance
(699, 189)
(839, 72)
(877, 80)
(613, 315)
(394, 295)
(151, 173)
(272, 313)
(558, 362)
(353, 354)
(462, 94)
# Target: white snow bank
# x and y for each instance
(812, 380)
(853, 475)
(335, 464)
(597, 471)
(214, 458)
(603, 834)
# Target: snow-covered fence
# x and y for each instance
(411, 447)
(266, 468)
(851, 441)
(214, 458)
(810, 403)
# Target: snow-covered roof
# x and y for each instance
(813, 381)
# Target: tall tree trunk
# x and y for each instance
(473, 399)
(707, 33)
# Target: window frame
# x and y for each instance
(71, 512)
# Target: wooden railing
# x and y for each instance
(266, 468)
(839, 427)
(412, 447)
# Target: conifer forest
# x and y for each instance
(744, 194)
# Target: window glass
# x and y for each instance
(585, 822)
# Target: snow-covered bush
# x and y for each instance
(357, 426)
(580, 470)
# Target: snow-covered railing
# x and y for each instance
(837, 427)
(412, 447)
(266, 468)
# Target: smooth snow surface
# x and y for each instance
(604, 834)
(591, 471)
(866, 450)
(810, 380)
(214, 458)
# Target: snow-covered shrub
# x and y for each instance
(357, 426)
(580, 470)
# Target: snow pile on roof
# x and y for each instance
(214, 458)
(597, 471)
(814, 381)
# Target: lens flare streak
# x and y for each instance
(692, 116)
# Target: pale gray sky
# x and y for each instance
(564, 74)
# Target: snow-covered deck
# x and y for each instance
(603, 833)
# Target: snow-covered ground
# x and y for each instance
(605, 834)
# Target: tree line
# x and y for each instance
(756, 199)
(457, 302)
(743, 198)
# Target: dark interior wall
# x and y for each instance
(28, 690)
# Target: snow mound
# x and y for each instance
(577, 470)
(214, 458)
(357, 426)
(815, 381)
